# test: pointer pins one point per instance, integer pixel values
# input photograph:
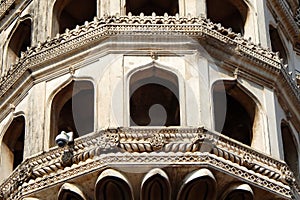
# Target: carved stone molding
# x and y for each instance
(4, 6)
(145, 146)
(92, 33)
(286, 17)
(95, 31)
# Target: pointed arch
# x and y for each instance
(19, 41)
(235, 110)
(290, 149)
(277, 44)
(238, 191)
(112, 185)
(72, 109)
(230, 13)
(12, 146)
(156, 186)
(70, 192)
(154, 98)
(66, 14)
(198, 185)
(160, 7)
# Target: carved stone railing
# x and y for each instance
(286, 17)
(297, 17)
(73, 41)
(97, 30)
(4, 6)
(147, 146)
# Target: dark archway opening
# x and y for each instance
(160, 7)
(69, 13)
(13, 143)
(277, 44)
(20, 40)
(234, 111)
(290, 149)
(154, 98)
(230, 13)
(73, 110)
(112, 188)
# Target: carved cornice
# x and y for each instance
(99, 29)
(147, 146)
(287, 18)
(92, 33)
(5, 6)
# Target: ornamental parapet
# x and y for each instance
(166, 146)
(94, 32)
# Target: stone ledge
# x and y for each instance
(125, 146)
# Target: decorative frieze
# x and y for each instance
(94, 32)
(145, 146)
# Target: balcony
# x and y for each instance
(138, 150)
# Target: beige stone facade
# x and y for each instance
(172, 99)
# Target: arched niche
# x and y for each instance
(12, 146)
(160, 7)
(70, 192)
(230, 13)
(238, 192)
(19, 41)
(290, 149)
(154, 98)
(198, 185)
(235, 112)
(69, 13)
(156, 186)
(112, 185)
(277, 44)
(72, 109)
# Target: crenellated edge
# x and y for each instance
(145, 146)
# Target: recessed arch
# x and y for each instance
(156, 186)
(70, 192)
(230, 13)
(160, 7)
(72, 109)
(12, 146)
(198, 185)
(19, 41)
(154, 98)
(238, 192)
(277, 44)
(66, 14)
(112, 185)
(235, 111)
(290, 149)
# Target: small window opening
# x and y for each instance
(230, 13)
(73, 110)
(289, 149)
(234, 112)
(154, 98)
(20, 40)
(277, 44)
(68, 14)
(13, 145)
(160, 7)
